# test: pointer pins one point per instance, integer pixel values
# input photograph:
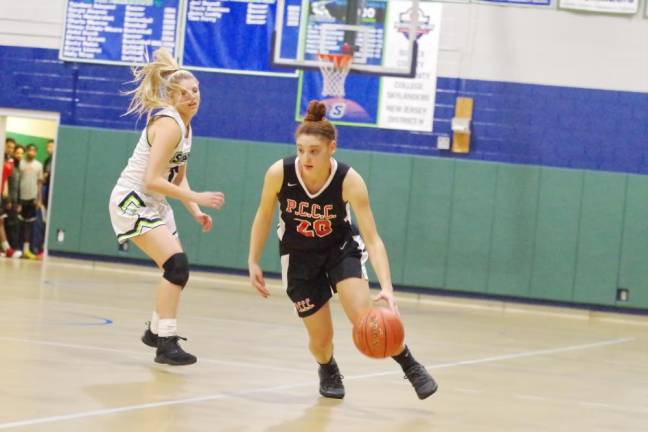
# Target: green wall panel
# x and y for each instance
(68, 188)
(501, 229)
(599, 243)
(556, 234)
(225, 164)
(389, 186)
(359, 161)
(259, 158)
(511, 254)
(633, 272)
(471, 223)
(108, 152)
(428, 224)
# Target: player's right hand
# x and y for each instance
(210, 199)
(257, 281)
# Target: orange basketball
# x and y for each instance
(379, 333)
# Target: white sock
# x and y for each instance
(26, 247)
(155, 321)
(167, 327)
(5, 245)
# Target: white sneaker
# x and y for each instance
(17, 255)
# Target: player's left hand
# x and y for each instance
(388, 296)
(205, 221)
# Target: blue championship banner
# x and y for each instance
(230, 36)
(118, 31)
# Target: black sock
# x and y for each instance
(405, 359)
(331, 365)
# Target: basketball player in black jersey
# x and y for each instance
(320, 249)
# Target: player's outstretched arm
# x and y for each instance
(354, 191)
(261, 225)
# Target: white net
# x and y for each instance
(334, 68)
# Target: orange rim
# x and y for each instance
(339, 60)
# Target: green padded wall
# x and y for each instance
(259, 158)
(66, 206)
(556, 238)
(599, 243)
(389, 193)
(471, 223)
(633, 272)
(108, 152)
(511, 252)
(224, 162)
(469, 226)
(428, 223)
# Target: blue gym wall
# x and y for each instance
(516, 123)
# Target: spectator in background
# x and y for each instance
(5, 202)
(12, 223)
(47, 172)
(38, 231)
(30, 199)
(10, 146)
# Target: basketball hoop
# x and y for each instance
(334, 68)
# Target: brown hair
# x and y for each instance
(155, 80)
(315, 123)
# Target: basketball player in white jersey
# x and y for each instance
(321, 251)
(139, 211)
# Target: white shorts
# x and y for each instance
(134, 213)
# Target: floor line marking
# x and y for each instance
(140, 354)
(231, 395)
(297, 325)
(496, 306)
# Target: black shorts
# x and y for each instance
(28, 210)
(310, 278)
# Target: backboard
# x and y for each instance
(306, 28)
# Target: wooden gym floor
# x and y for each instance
(71, 360)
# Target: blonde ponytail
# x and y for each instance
(155, 80)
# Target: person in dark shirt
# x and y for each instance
(5, 199)
(47, 173)
(321, 251)
(13, 224)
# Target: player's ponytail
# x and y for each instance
(155, 81)
(315, 123)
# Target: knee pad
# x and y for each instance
(176, 269)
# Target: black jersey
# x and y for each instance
(312, 222)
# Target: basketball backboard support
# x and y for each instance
(307, 28)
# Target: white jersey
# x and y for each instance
(132, 176)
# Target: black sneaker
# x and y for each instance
(421, 380)
(149, 338)
(331, 381)
(169, 352)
